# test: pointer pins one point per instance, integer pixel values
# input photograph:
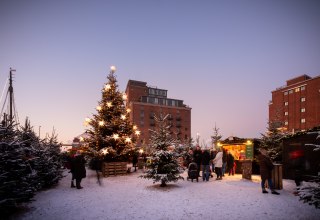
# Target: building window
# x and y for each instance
(286, 93)
(141, 113)
(286, 123)
(297, 89)
(302, 88)
(303, 110)
(290, 91)
(286, 113)
(303, 120)
(303, 99)
(286, 103)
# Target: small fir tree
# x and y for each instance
(111, 132)
(216, 137)
(164, 165)
(272, 140)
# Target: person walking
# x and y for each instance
(78, 168)
(266, 167)
(205, 165)
(197, 157)
(218, 164)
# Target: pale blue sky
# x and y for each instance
(223, 58)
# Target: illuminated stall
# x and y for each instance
(242, 151)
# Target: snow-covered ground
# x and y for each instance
(130, 197)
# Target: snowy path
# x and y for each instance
(129, 197)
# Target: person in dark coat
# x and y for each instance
(78, 168)
(230, 164)
(135, 160)
(197, 157)
(224, 160)
(266, 167)
(205, 164)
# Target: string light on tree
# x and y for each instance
(128, 110)
(116, 136)
(124, 96)
(113, 69)
(99, 108)
(107, 87)
(137, 132)
(123, 117)
(109, 104)
(128, 140)
(101, 123)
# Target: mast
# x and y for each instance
(10, 95)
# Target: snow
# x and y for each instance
(130, 197)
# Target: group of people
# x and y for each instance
(221, 161)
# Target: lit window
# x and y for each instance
(286, 123)
(297, 89)
(302, 88)
(290, 91)
(286, 93)
(303, 110)
(286, 113)
(286, 103)
(303, 99)
(303, 120)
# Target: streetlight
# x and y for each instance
(113, 69)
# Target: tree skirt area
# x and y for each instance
(130, 197)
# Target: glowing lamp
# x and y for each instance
(134, 127)
(101, 123)
(124, 96)
(123, 117)
(137, 132)
(141, 151)
(109, 104)
(128, 110)
(116, 136)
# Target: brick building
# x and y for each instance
(297, 105)
(145, 102)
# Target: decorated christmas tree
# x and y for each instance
(164, 167)
(111, 134)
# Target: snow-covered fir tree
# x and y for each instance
(26, 165)
(164, 167)
(272, 140)
(112, 135)
(216, 137)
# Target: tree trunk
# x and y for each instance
(163, 183)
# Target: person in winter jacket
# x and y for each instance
(205, 165)
(78, 168)
(266, 167)
(218, 164)
(197, 157)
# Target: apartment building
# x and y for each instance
(297, 104)
(145, 102)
